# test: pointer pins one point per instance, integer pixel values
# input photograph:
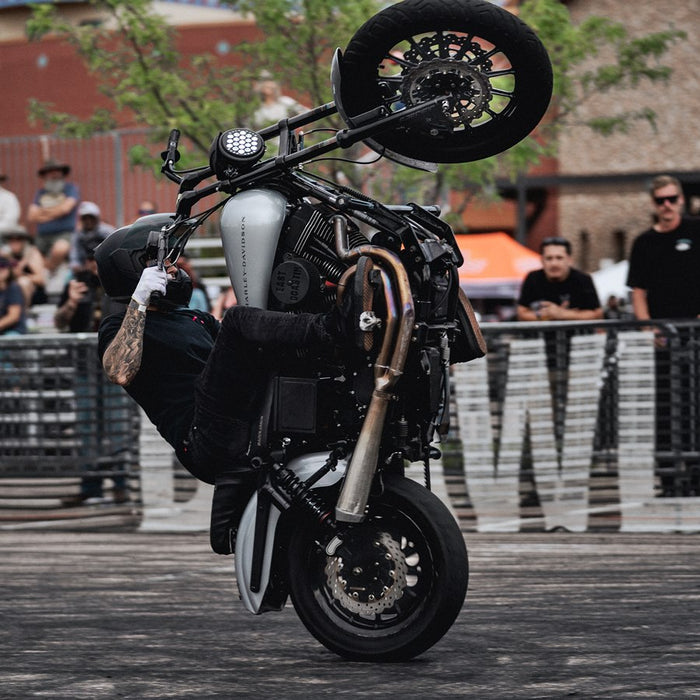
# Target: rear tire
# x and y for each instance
(395, 585)
(492, 65)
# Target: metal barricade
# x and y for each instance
(59, 416)
(674, 394)
(562, 425)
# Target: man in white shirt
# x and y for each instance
(9, 206)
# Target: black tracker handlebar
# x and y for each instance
(292, 153)
(289, 154)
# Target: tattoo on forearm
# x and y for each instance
(122, 359)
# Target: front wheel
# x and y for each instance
(395, 585)
(491, 68)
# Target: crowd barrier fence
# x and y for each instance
(574, 426)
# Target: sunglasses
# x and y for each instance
(670, 198)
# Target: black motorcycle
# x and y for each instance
(375, 563)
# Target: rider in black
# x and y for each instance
(199, 381)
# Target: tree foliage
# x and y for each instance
(597, 56)
(133, 54)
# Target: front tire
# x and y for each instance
(492, 66)
(395, 585)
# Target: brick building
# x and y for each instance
(595, 193)
(603, 200)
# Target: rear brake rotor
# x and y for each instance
(368, 581)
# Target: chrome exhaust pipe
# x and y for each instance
(354, 494)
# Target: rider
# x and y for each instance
(200, 381)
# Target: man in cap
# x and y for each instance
(91, 232)
(54, 212)
(29, 268)
(9, 205)
(83, 302)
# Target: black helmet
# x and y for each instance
(123, 255)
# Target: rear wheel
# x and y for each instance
(394, 586)
(490, 65)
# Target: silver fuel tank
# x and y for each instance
(251, 223)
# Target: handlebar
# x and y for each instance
(171, 156)
(367, 125)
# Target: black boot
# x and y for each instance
(232, 492)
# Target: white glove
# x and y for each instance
(152, 280)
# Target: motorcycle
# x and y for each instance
(375, 564)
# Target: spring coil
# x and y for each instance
(299, 493)
(331, 269)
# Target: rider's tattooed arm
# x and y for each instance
(122, 359)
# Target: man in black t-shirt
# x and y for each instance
(558, 291)
(665, 259)
(664, 274)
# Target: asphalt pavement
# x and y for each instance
(548, 615)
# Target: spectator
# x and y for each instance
(224, 301)
(665, 259)
(9, 205)
(147, 207)
(274, 105)
(616, 308)
(558, 291)
(199, 299)
(90, 234)
(12, 310)
(29, 268)
(663, 275)
(80, 309)
(83, 303)
(54, 211)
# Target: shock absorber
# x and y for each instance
(299, 493)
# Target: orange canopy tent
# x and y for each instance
(494, 265)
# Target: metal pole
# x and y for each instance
(118, 179)
(521, 222)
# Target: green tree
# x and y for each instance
(621, 63)
(133, 54)
(575, 51)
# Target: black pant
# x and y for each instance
(230, 390)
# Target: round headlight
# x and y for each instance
(235, 150)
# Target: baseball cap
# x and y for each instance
(17, 231)
(53, 165)
(89, 209)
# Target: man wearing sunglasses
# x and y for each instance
(665, 259)
(665, 280)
